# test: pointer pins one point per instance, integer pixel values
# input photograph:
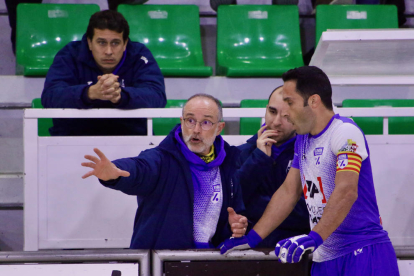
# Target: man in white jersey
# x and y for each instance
(332, 168)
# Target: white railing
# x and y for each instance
(51, 180)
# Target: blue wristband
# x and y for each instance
(316, 237)
(253, 238)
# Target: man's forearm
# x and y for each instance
(279, 207)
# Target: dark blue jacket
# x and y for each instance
(74, 69)
(260, 176)
(161, 180)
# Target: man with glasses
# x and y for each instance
(266, 159)
(184, 186)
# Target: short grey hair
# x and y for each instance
(207, 96)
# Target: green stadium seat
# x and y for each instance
(355, 17)
(43, 124)
(250, 126)
(374, 125)
(258, 40)
(43, 29)
(163, 126)
(172, 33)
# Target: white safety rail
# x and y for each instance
(367, 57)
(76, 262)
(62, 211)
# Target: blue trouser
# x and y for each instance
(372, 260)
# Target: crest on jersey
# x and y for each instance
(350, 146)
(318, 151)
(342, 161)
(216, 193)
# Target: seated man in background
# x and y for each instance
(184, 186)
(103, 70)
(266, 159)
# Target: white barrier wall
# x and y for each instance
(64, 211)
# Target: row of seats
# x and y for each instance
(250, 126)
(252, 40)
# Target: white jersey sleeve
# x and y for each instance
(348, 143)
(349, 138)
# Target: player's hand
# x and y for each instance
(238, 223)
(107, 88)
(292, 249)
(264, 142)
(250, 241)
(102, 167)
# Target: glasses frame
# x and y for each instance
(191, 126)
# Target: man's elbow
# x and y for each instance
(351, 196)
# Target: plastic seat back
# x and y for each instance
(172, 33)
(258, 40)
(44, 29)
(374, 125)
(355, 17)
(43, 124)
(250, 126)
(163, 126)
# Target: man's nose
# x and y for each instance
(197, 128)
(277, 121)
(108, 50)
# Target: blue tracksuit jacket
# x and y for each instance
(260, 176)
(74, 69)
(161, 180)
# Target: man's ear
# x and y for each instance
(89, 43)
(125, 45)
(314, 100)
(220, 127)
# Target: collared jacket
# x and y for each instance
(260, 176)
(74, 70)
(161, 180)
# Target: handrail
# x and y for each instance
(176, 112)
(102, 255)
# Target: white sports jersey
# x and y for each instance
(341, 146)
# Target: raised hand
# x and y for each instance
(292, 249)
(264, 142)
(102, 167)
(238, 223)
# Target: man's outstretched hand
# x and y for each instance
(102, 167)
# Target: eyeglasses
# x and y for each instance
(205, 124)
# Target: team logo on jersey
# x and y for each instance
(349, 146)
(216, 193)
(342, 161)
(144, 59)
(288, 166)
(318, 151)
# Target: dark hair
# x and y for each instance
(311, 80)
(108, 19)
(274, 92)
(202, 95)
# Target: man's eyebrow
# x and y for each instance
(209, 116)
(271, 108)
(286, 99)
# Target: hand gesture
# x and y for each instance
(107, 88)
(238, 223)
(102, 167)
(264, 143)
